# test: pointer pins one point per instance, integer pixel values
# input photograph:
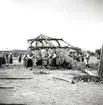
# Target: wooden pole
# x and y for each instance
(100, 68)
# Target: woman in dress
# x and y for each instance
(10, 58)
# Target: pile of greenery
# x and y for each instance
(75, 64)
(87, 78)
(94, 66)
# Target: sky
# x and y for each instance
(78, 22)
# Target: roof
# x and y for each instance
(43, 42)
(42, 37)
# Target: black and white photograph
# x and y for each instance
(51, 52)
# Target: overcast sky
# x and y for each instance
(79, 22)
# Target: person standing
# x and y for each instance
(87, 58)
(7, 59)
(30, 60)
(3, 61)
(54, 56)
(47, 58)
(10, 58)
(20, 58)
(25, 58)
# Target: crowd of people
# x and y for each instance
(48, 58)
(52, 58)
(6, 59)
(81, 57)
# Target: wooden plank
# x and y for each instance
(41, 39)
(6, 87)
(89, 72)
(15, 78)
(45, 47)
(69, 81)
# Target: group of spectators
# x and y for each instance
(52, 58)
(81, 57)
(48, 58)
(6, 59)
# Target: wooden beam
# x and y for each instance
(44, 47)
(32, 40)
(89, 72)
(100, 69)
(69, 81)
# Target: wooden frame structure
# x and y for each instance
(47, 40)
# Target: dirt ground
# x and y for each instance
(21, 86)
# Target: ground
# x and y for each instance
(29, 87)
